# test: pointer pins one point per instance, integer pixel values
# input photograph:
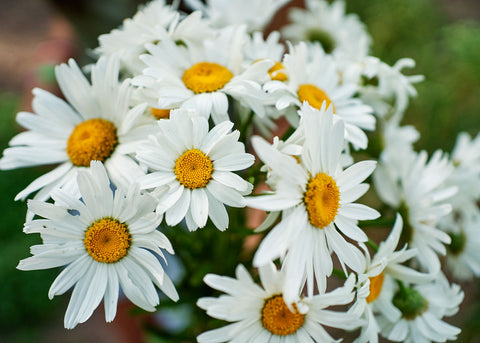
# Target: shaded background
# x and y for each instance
(443, 36)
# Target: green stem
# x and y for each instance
(372, 245)
(380, 222)
(339, 273)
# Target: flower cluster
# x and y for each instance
(165, 131)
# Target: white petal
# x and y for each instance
(199, 206)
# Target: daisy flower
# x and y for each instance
(390, 93)
(339, 34)
(202, 78)
(262, 314)
(422, 308)
(397, 154)
(419, 192)
(463, 255)
(255, 14)
(192, 169)
(379, 274)
(111, 240)
(128, 40)
(258, 49)
(465, 158)
(313, 77)
(96, 124)
(316, 199)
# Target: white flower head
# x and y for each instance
(262, 314)
(463, 255)
(373, 296)
(316, 197)
(97, 123)
(312, 77)
(422, 308)
(421, 195)
(390, 96)
(339, 34)
(128, 40)
(192, 169)
(202, 78)
(255, 14)
(465, 158)
(110, 241)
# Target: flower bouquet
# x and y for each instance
(198, 146)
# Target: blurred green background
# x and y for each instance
(443, 39)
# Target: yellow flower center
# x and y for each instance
(314, 96)
(376, 283)
(94, 139)
(206, 77)
(159, 113)
(322, 200)
(193, 169)
(107, 240)
(278, 319)
(276, 73)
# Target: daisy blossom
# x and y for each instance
(422, 308)
(420, 194)
(391, 95)
(96, 124)
(111, 241)
(201, 78)
(316, 199)
(465, 158)
(192, 169)
(339, 34)
(128, 40)
(255, 14)
(262, 315)
(313, 77)
(380, 272)
(463, 255)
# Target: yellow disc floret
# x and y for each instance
(278, 319)
(276, 73)
(206, 77)
(314, 96)
(376, 283)
(193, 169)
(322, 200)
(107, 240)
(159, 113)
(94, 139)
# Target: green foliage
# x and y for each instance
(24, 294)
(446, 53)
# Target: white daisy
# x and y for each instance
(262, 314)
(418, 191)
(465, 157)
(313, 77)
(192, 169)
(97, 124)
(128, 40)
(186, 77)
(422, 308)
(258, 48)
(463, 255)
(390, 93)
(255, 14)
(339, 34)
(397, 154)
(316, 199)
(111, 240)
(386, 264)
